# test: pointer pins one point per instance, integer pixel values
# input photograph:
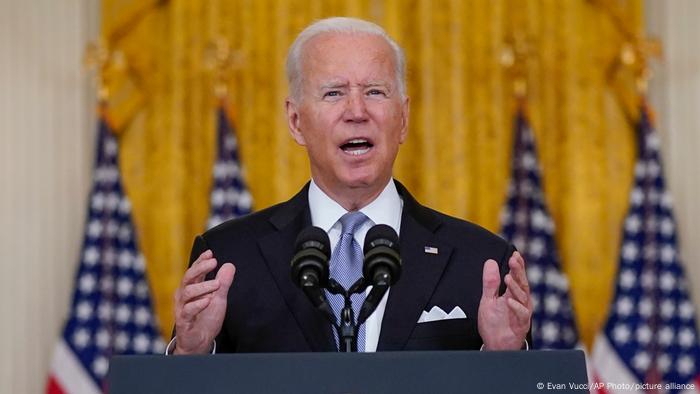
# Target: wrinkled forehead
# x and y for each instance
(331, 50)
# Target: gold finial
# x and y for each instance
(103, 61)
(221, 59)
(514, 54)
(507, 56)
(637, 51)
(636, 55)
(628, 55)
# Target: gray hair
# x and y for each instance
(340, 25)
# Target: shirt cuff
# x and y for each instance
(171, 347)
(527, 346)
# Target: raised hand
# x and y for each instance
(505, 320)
(200, 305)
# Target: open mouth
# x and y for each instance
(357, 146)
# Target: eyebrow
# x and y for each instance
(376, 83)
(340, 84)
(334, 84)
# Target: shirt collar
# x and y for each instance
(385, 209)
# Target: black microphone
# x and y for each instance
(310, 262)
(382, 257)
(382, 266)
(309, 266)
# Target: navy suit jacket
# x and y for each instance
(268, 313)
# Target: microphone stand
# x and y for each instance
(347, 328)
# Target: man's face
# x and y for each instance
(350, 115)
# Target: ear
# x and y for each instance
(293, 121)
(405, 110)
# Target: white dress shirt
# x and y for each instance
(385, 209)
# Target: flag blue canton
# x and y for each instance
(229, 196)
(525, 221)
(651, 323)
(111, 312)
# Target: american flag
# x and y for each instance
(111, 312)
(229, 195)
(650, 335)
(525, 221)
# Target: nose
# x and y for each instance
(356, 107)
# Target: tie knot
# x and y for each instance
(351, 221)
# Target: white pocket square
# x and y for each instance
(436, 313)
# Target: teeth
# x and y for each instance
(358, 152)
(357, 141)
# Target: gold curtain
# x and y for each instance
(457, 156)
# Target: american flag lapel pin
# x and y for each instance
(431, 250)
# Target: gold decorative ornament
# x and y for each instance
(220, 59)
(104, 62)
(516, 51)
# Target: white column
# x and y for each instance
(675, 93)
(46, 148)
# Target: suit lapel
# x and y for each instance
(420, 274)
(278, 249)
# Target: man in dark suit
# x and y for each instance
(461, 287)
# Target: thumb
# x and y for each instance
(225, 278)
(491, 279)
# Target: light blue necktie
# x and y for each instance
(346, 269)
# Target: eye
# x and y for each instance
(332, 93)
(376, 92)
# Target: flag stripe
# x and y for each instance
(52, 387)
(68, 374)
(610, 368)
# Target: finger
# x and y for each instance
(514, 290)
(522, 313)
(207, 254)
(196, 290)
(225, 277)
(192, 309)
(491, 279)
(517, 270)
(198, 270)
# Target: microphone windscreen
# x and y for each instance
(313, 236)
(381, 234)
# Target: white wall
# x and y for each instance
(675, 93)
(46, 147)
